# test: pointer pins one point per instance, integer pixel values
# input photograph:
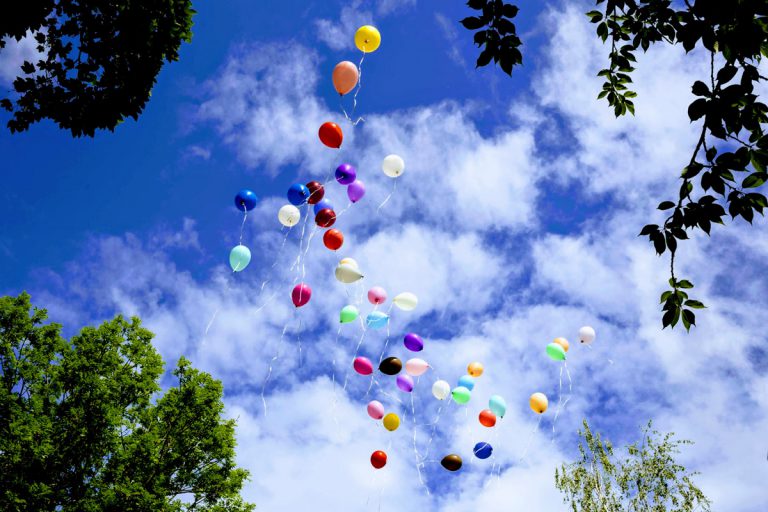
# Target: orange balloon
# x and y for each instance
(487, 418)
(345, 77)
(331, 135)
(333, 239)
(562, 342)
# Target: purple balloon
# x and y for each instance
(413, 342)
(405, 382)
(356, 191)
(345, 174)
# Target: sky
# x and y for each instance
(515, 222)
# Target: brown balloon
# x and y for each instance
(451, 462)
(316, 192)
(391, 366)
(333, 239)
(325, 218)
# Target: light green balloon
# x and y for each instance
(348, 314)
(497, 405)
(461, 395)
(556, 352)
(239, 258)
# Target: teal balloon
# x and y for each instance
(556, 352)
(497, 405)
(348, 314)
(377, 320)
(468, 382)
(461, 395)
(239, 258)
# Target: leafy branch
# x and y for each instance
(498, 36)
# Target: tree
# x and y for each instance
(99, 59)
(84, 427)
(648, 479)
(730, 157)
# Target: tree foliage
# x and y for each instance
(728, 167)
(498, 36)
(99, 59)
(647, 479)
(84, 427)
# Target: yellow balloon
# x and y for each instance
(563, 343)
(367, 39)
(475, 369)
(391, 422)
(539, 402)
(350, 262)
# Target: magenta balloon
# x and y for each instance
(375, 409)
(405, 382)
(413, 342)
(363, 365)
(301, 294)
(356, 191)
(377, 295)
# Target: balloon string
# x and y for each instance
(386, 341)
(242, 226)
(271, 363)
(298, 337)
(354, 97)
(386, 200)
(419, 458)
(530, 437)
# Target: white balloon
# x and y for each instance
(406, 301)
(393, 166)
(586, 335)
(348, 274)
(441, 389)
(416, 367)
(289, 215)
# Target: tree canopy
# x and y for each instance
(84, 425)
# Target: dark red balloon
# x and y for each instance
(487, 418)
(316, 192)
(333, 239)
(325, 218)
(378, 459)
(331, 135)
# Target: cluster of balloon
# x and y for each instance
(240, 255)
(346, 75)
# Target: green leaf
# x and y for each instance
(684, 284)
(666, 205)
(689, 319)
(694, 304)
(700, 88)
(754, 180)
(472, 23)
(697, 109)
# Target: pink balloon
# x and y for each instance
(363, 365)
(355, 191)
(405, 383)
(375, 409)
(301, 294)
(416, 367)
(345, 77)
(377, 295)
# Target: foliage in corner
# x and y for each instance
(496, 33)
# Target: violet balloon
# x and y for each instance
(356, 191)
(413, 342)
(405, 382)
(346, 174)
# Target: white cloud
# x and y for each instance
(14, 54)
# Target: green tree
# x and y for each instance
(729, 163)
(100, 59)
(647, 480)
(84, 426)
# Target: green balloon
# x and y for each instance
(461, 395)
(239, 258)
(348, 314)
(556, 352)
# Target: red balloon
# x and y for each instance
(487, 418)
(316, 192)
(330, 135)
(325, 218)
(333, 239)
(301, 294)
(378, 459)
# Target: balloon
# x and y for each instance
(330, 134)
(316, 192)
(391, 422)
(405, 382)
(487, 418)
(333, 239)
(325, 218)
(289, 215)
(349, 261)
(390, 366)
(301, 294)
(377, 319)
(497, 405)
(587, 335)
(367, 39)
(475, 369)
(482, 450)
(467, 381)
(348, 274)
(406, 301)
(239, 257)
(345, 77)
(375, 409)
(556, 352)
(378, 459)
(377, 295)
(346, 174)
(363, 365)
(393, 166)
(322, 205)
(563, 343)
(451, 462)
(461, 395)
(539, 402)
(356, 191)
(348, 314)
(413, 342)
(441, 389)
(416, 367)
(245, 200)
(298, 194)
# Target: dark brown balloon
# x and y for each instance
(451, 462)
(316, 192)
(325, 218)
(391, 366)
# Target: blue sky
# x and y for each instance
(515, 222)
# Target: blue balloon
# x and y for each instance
(483, 450)
(377, 319)
(323, 204)
(245, 200)
(467, 381)
(298, 194)
(497, 405)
